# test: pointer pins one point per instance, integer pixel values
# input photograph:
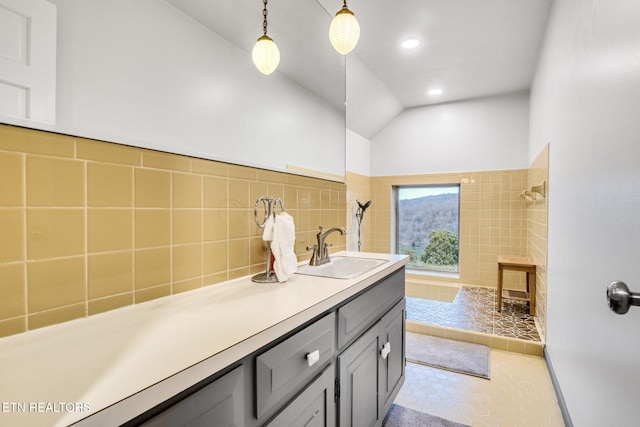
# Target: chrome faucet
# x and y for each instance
(320, 252)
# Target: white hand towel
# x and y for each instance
(267, 233)
(282, 247)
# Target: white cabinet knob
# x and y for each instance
(386, 349)
(313, 357)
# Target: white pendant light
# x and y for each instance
(265, 53)
(344, 31)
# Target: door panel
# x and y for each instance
(391, 373)
(358, 366)
(28, 59)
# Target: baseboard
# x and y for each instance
(556, 386)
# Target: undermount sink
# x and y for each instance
(341, 267)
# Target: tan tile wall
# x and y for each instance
(537, 214)
(88, 226)
(493, 220)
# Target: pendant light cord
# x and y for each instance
(264, 14)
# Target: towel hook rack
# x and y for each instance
(540, 189)
(270, 205)
(530, 194)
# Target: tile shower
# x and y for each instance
(471, 308)
(494, 220)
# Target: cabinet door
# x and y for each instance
(358, 376)
(314, 407)
(392, 364)
(219, 404)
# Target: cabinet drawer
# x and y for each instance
(355, 316)
(287, 367)
(314, 407)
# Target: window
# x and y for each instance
(427, 226)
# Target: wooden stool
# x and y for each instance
(518, 264)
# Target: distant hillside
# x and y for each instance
(419, 216)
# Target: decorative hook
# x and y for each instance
(530, 195)
(540, 189)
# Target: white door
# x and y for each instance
(586, 104)
(28, 60)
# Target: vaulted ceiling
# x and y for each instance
(468, 49)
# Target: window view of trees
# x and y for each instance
(428, 226)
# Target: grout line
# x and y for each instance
(133, 233)
(171, 207)
(25, 270)
(202, 215)
(86, 235)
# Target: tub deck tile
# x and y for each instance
(473, 309)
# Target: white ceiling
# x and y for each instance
(469, 49)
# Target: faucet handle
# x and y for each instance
(312, 248)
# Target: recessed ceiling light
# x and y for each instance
(410, 43)
(435, 92)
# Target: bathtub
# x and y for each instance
(430, 290)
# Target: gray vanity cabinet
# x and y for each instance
(344, 367)
(371, 336)
(371, 371)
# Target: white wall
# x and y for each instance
(359, 162)
(585, 103)
(142, 73)
(358, 154)
(480, 134)
(371, 105)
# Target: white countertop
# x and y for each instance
(63, 373)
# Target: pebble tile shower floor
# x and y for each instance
(474, 309)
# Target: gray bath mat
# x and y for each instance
(399, 416)
(456, 356)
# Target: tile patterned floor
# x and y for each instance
(473, 309)
(519, 394)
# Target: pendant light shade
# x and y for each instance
(266, 55)
(344, 31)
